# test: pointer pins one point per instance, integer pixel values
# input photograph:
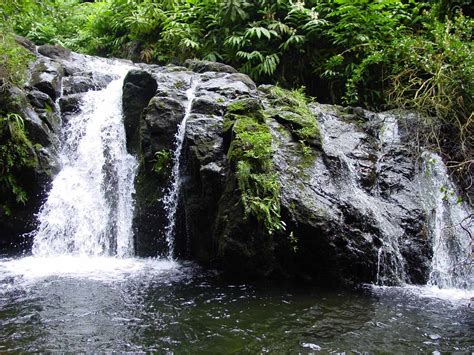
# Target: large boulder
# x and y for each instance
(202, 66)
(158, 126)
(54, 51)
(349, 202)
(138, 88)
(46, 77)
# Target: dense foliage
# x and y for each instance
(16, 154)
(377, 54)
(16, 150)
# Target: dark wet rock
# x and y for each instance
(174, 85)
(33, 179)
(344, 201)
(203, 177)
(239, 77)
(54, 52)
(25, 42)
(70, 103)
(202, 66)
(46, 77)
(229, 86)
(46, 109)
(40, 100)
(159, 125)
(208, 106)
(13, 99)
(138, 88)
(78, 84)
(77, 81)
(170, 68)
(101, 80)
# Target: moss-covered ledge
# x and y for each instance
(250, 152)
(290, 108)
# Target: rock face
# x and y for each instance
(42, 125)
(138, 88)
(346, 179)
(349, 200)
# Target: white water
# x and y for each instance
(171, 199)
(390, 263)
(32, 269)
(451, 273)
(450, 225)
(85, 225)
(389, 259)
(89, 209)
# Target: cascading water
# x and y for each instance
(89, 209)
(391, 266)
(171, 199)
(450, 227)
(389, 259)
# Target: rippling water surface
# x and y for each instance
(102, 304)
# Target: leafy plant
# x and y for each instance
(434, 75)
(251, 153)
(16, 154)
(291, 108)
(162, 161)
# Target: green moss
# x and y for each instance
(291, 109)
(181, 84)
(162, 162)
(308, 156)
(251, 152)
(247, 107)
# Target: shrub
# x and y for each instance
(16, 154)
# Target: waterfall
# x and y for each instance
(450, 225)
(89, 209)
(171, 198)
(340, 140)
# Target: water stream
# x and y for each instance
(171, 199)
(390, 263)
(450, 225)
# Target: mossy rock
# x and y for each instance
(250, 152)
(290, 108)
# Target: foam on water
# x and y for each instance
(453, 295)
(32, 269)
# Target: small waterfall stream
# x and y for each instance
(89, 209)
(340, 140)
(450, 225)
(171, 199)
